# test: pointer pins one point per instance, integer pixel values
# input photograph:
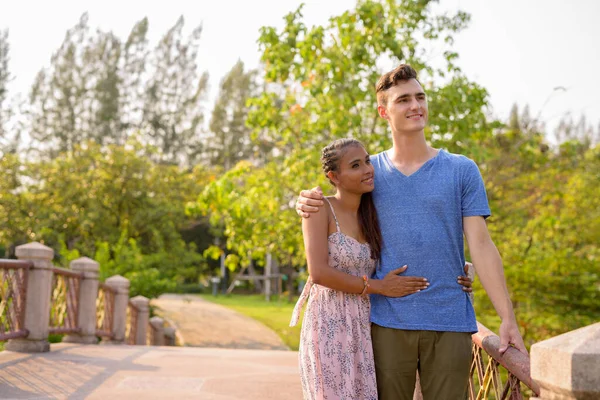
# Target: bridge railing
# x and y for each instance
(13, 294)
(132, 316)
(38, 299)
(105, 304)
(64, 304)
(486, 369)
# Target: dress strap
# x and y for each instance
(337, 226)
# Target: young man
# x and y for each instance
(426, 199)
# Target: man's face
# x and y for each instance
(406, 107)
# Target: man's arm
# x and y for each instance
(485, 256)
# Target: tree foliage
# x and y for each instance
(111, 197)
(229, 141)
(101, 88)
(319, 86)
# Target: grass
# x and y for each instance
(275, 314)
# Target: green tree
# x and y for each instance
(320, 86)
(14, 205)
(60, 103)
(580, 131)
(9, 127)
(98, 192)
(133, 64)
(514, 123)
(101, 88)
(544, 222)
(80, 96)
(4, 79)
(110, 199)
(173, 99)
(229, 140)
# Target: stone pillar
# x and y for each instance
(143, 319)
(121, 286)
(158, 338)
(88, 293)
(567, 366)
(169, 336)
(37, 303)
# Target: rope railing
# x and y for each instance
(487, 365)
(105, 303)
(13, 295)
(64, 303)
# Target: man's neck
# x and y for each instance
(410, 149)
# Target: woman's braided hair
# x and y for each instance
(331, 156)
(333, 153)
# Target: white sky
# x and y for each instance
(518, 49)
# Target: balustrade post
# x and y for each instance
(37, 303)
(158, 339)
(143, 318)
(567, 366)
(169, 336)
(88, 292)
(121, 287)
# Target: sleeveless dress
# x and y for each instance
(336, 353)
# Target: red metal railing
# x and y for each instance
(486, 366)
(13, 295)
(64, 303)
(132, 322)
(105, 304)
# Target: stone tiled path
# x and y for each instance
(239, 359)
(71, 371)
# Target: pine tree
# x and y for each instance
(173, 111)
(60, 103)
(230, 137)
(133, 62)
(104, 54)
(4, 79)
(514, 123)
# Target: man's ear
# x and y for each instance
(333, 177)
(382, 111)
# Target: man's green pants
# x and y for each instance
(443, 360)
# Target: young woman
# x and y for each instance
(343, 244)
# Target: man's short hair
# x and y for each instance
(402, 72)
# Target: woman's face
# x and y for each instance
(355, 172)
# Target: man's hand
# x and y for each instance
(509, 334)
(309, 201)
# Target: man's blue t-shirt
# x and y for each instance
(420, 216)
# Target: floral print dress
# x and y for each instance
(336, 353)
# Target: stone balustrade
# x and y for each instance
(73, 301)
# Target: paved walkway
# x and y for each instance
(71, 371)
(239, 359)
(201, 323)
